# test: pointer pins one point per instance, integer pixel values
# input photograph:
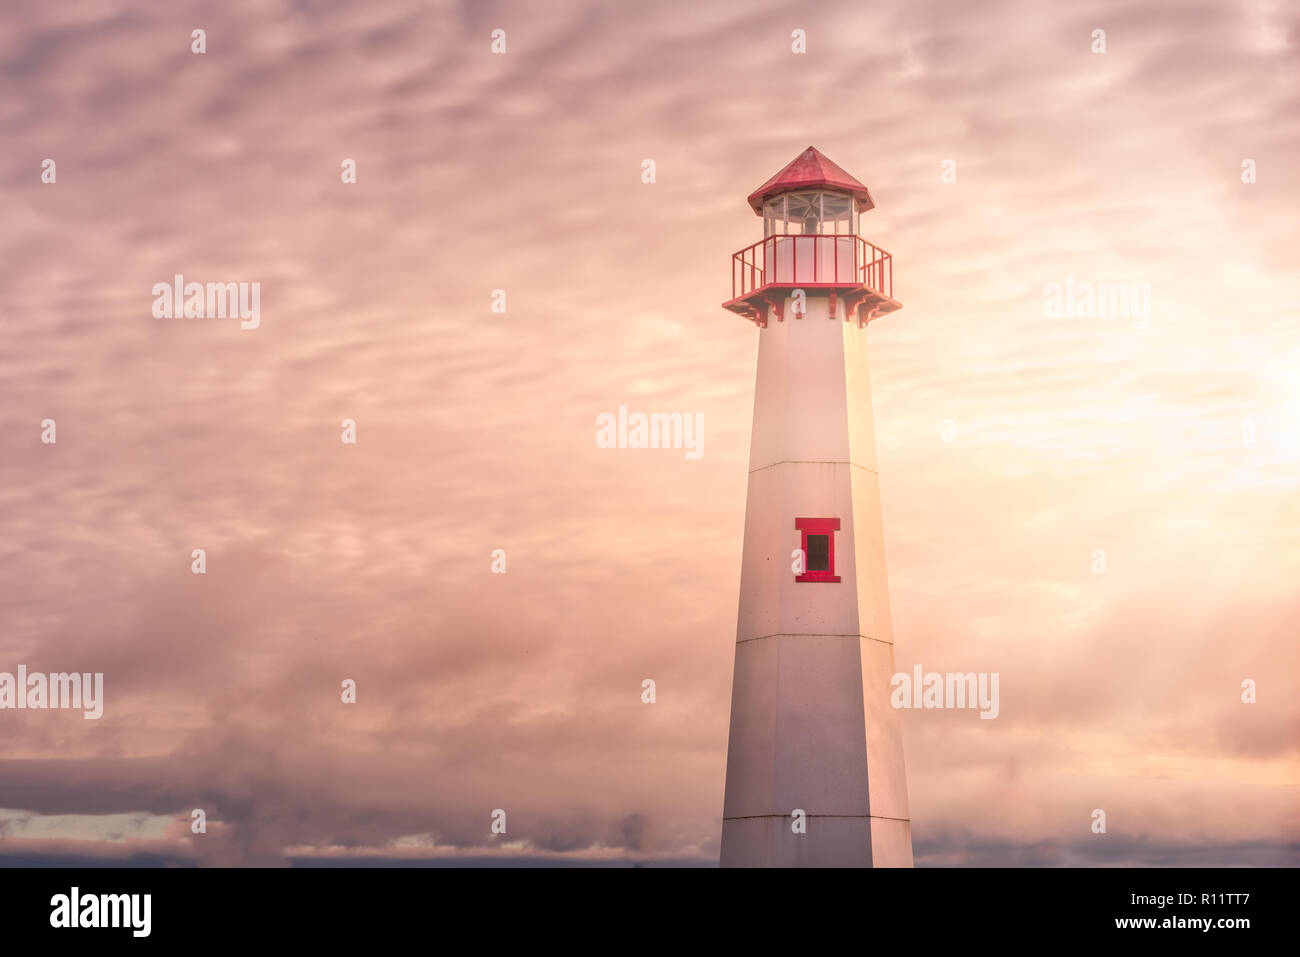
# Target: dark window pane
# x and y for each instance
(819, 553)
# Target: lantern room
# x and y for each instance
(810, 212)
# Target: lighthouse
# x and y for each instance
(815, 774)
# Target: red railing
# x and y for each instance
(813, 261)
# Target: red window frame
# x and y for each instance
(818, 526)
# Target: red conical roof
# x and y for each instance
(807, 170)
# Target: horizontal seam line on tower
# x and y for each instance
(758, 817)
(812, 462)
(814, 634)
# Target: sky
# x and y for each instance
(1019, 450)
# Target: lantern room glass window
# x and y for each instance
(810, 212)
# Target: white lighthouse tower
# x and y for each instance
(815, 773)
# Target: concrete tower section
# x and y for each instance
(812, 729)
